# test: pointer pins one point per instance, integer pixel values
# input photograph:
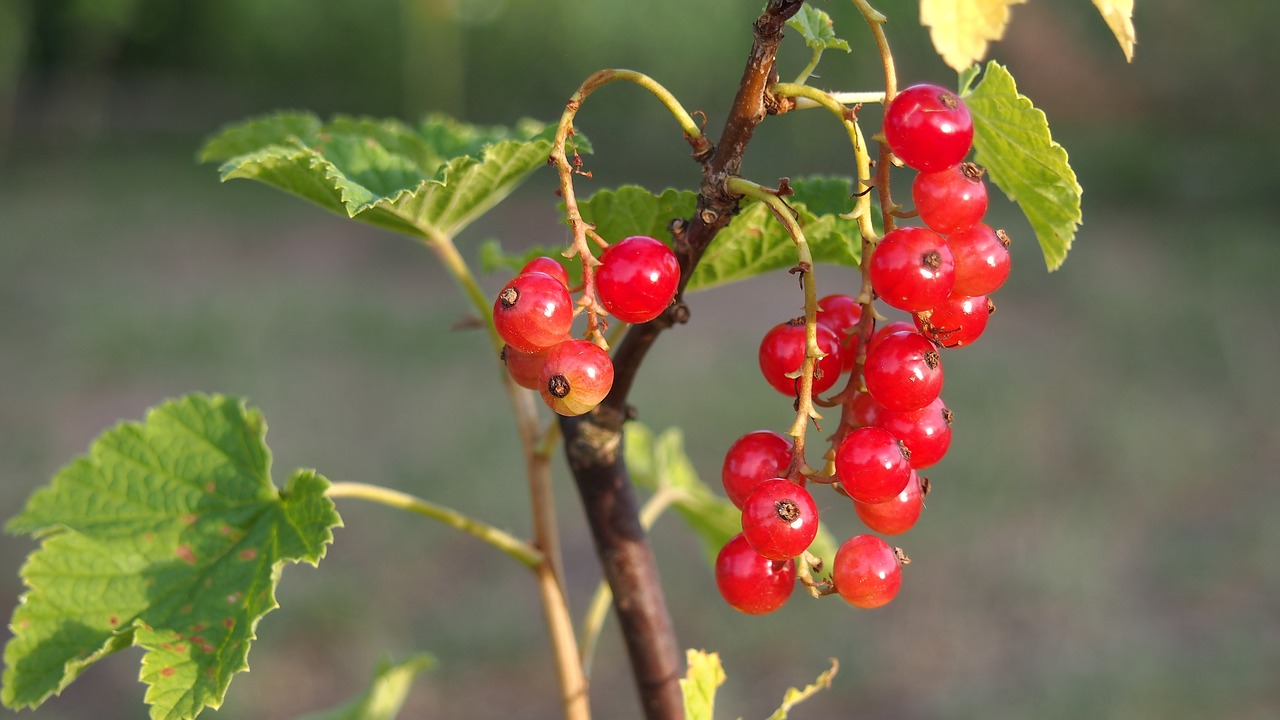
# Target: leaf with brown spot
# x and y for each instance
(133, 552)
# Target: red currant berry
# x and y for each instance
(867, 572)
(956, 322)
(842, 313)
(751, 583)
(547, 265)
(889, 329)
(576, 375)
(637, 278)
(912, 269)
(928, 127)
(898, 515)
(866, 411)
(752, 459)
(950, 200)
(782, 351)
(779, 519)
(872, 465)
(903, 372)
(525, 368)
(926, 432)
(982, 259)
(533, 312)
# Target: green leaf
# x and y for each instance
(168, 535)
(704, 676)
(1011, 140)
(430, 181)
(659, 463)
(386, 694)
(816, 28)
(754, 241)
(632, 210)
(795, 696)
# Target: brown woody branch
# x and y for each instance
(593, 442)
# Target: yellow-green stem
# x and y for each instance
(805, 410)
(522, 551)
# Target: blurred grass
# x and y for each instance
(1098, 543)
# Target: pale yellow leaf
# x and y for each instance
(1119, 17)
(961, 29)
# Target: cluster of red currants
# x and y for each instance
(898, 424)
(635, 281)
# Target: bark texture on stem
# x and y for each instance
(593, 442)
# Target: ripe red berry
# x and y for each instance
(981, 257)
(866, 411)
(751, 583)
(903, 371)
(866, 571)
(912, 269)
(926, 432)
(841, 313)
(782, 351)
(533, 312)
(637, 278)
(957, 321)
(872, 465)
(950, 200)
(525, 368)
(576, 375)
(752, 459)
(885, 331)
(547, 265)
(779, 519)
(928, 127)
(898, 515)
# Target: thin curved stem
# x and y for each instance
(566, 169)
(549, 568)
(501, 540)
(805, 410)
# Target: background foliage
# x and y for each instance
(1099, 542)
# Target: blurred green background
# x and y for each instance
(1099, 542)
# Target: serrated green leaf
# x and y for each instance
(429, 181)
(284, 128)
(633, 210)
(386, 694)
(1011, 139)
(704, 676)
(816, 28)
(168, 535)
(753, 243)
(795, 696)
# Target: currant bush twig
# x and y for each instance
(805, 410)
(593, 441)
(521, 551)
(598, 611)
